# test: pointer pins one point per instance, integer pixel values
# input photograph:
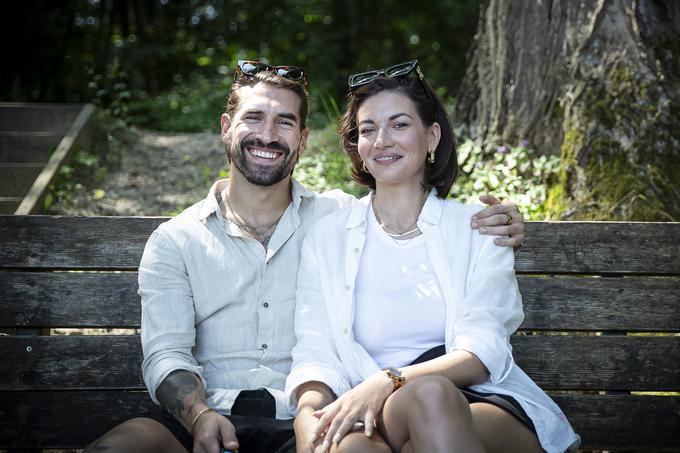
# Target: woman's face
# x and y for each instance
(393, 142)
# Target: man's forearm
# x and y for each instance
(182, 395)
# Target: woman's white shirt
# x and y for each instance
(483, 308)
(399, 309)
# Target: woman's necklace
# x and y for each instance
(392, 232)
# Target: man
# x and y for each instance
(218, 282)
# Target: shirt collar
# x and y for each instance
(431, 212)
(211, 204)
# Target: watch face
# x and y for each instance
(394, 371)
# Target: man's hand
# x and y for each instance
(213, 433)
(182, 394)
(500, 219)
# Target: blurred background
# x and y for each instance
(569, 108)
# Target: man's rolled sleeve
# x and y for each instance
(168, 332)
(490, 311)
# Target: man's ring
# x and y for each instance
(509, 221)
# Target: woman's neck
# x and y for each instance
(399, 207)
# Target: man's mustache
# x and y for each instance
(257, 143)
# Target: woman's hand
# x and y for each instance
(361, 404)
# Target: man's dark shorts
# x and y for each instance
(253, 417)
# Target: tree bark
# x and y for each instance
(597, 81)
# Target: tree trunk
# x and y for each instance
(597, 81)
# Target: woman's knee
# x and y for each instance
(436, 394)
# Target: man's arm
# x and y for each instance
(500, 219)
(182, 395)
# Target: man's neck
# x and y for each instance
(256, 205)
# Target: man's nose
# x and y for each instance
(268, 132)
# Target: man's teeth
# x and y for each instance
(264, 154)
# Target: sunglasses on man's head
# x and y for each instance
(398, 70)
(250, 68)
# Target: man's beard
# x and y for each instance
(263, 175)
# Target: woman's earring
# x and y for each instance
(430, 157)
(363, 167)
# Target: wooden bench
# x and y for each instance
(602, 305)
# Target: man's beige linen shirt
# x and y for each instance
(218, 304)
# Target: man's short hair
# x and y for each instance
(273, 80)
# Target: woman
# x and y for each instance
(403, 313)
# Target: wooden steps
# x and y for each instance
(35, 140)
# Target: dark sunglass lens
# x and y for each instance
(400, 69)
(363, 78)
(290, 73)
(251, 68)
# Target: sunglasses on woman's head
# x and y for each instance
(250, 67)
(398, 70)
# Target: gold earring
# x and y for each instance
(363, 167)
(430, 157)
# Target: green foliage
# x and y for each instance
(324, 166)
(511, 173)
(193, 106)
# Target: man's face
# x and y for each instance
(263, 138)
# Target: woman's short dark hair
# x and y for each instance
(440, 175)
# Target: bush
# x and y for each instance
(511, 173)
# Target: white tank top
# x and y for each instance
(399, 310)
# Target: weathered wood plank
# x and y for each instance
(9, 204)
(28, 147)
(17, 179)
(554, 362)
(15, 116)
(592, 303)
(80, 135)
(36, 419)
(64, 299)
(554, 247)
(74, 242)
(600, 247)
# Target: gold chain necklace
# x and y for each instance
(385, 226)
(256, 232)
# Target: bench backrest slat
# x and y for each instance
(64, 299)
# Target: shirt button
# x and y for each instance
(264, 345)
(265, 305)
(346, 330)
(356, 249)
(348, 287)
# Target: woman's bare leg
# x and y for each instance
(357, 442)
(500, 431)
(431, 415)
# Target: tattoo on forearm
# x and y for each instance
(174, 389)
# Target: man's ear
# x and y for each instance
(303, 141)
(225, 123)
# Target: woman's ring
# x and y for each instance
(509, 221)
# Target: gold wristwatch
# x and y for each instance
(397, 378)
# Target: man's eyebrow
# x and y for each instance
(289, 116)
